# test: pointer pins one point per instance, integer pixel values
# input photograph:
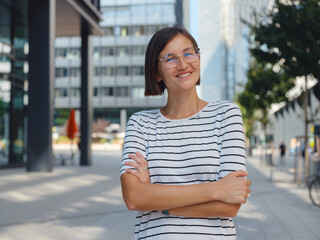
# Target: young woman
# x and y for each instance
(183, 166)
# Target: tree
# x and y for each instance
(266, 85)
(289, 38)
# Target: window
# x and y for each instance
(154, 11)
(106, 91)
(138, 50)
(61, 92)
(61, 52)
(96, 71)
(96, 52)
(123, 11)
(75, 92)
(122, 91)
(137, 92)
(107, 51)
(122, 71)
(103, 71)
(108, 11)
(124, 31)
(108, 31)
(95, 92)
(151, 30)
(138, 10)
(73, 53)
(137, 70)
(168, 9)
(74, 72)
(122, 51)
(137, 31)
(107, 71)
(61, 72)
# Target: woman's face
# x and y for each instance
(184, 75)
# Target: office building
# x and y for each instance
(224, 45)
(27, 32)
(118, 59)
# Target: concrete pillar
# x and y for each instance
(86, 96)
(41, 34)
(123, 120)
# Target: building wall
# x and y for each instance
(222, 38)
(290, 124)
(118, 56)
(13, 82)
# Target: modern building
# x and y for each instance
(118, 59)
(224, 46)
(288, 118)
(27, 32)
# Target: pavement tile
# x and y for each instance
(85, 203)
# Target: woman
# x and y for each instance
(183, 166)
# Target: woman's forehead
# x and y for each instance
(176, 45)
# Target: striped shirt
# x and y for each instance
(202, 148)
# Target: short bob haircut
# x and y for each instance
(155, 46)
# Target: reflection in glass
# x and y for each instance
(5, 87)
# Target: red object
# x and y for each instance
(72, 126)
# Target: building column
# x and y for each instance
(41, 34)
(86, 96)
(123, 120)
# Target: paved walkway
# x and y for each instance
(85, 203)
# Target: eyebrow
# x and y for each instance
(172, 54)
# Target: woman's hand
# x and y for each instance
(141, 164)
(234, 187)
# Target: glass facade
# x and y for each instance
(118, 58)
(224, 44)
(13, 82)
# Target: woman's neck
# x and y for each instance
(182, 105)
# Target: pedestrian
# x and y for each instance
(184, 167)
(282, 149)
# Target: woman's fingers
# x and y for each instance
(236, 188)
(141, 163)
(248, 182)
(141, 166)
(135, 165)
(138, 157)
(136, 173)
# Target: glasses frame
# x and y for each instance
(197, 51)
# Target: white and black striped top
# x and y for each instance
(202, 148)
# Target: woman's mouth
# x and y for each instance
(184, 75)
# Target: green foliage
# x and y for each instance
(61, 116)
(264, 87)
(285, 44)
(290, 37)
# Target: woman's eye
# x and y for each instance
(170, 59)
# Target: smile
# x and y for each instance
(184, 75)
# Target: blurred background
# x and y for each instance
(72, 74)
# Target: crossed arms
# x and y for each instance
(222, 198)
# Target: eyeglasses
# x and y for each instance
(171, 60)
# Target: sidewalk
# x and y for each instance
(278, 209)
(85, 203)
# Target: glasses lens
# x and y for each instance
(191, 57)
(172, 61)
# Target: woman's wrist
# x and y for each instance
(215, 191)
(165, 212)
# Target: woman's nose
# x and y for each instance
(182, 63)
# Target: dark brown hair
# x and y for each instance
(154, 48)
